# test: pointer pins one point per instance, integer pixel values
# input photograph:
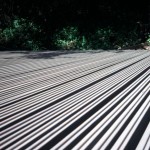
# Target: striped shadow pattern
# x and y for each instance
(80, 101)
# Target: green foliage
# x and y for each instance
(24, 34)
(109, 38)
(83, 43)
(21, 34)
(101, 39)
(126, 38)
(148, 40)
(69, 38)
(66, 38)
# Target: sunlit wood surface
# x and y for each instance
(80, 101)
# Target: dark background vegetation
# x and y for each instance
(107, 19)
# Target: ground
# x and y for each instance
(75, 100)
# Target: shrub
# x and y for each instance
(22, 34)
(84, 43)
(125, 38)
(109, 38)
(101, 39)
(66, 38)
(70, 38)
(148, 40)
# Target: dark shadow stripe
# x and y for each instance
(62, 135)
(71, 81)
(82, 106)
(124, 126)
(49, 67)
(132, 144)
(101, 118)
(99, 106)
(78, 122)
